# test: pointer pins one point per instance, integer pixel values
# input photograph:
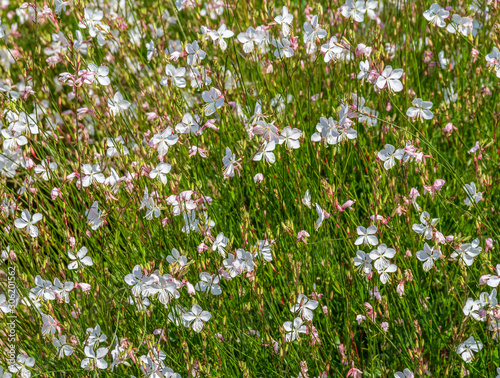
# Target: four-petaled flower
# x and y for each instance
(80, 259)
(117, 104)
(389, 155)
(390, 78)
(196, 318)
(305, 307)
(293, 330)
(28, 222)
(428, 255)
(420, 110)
(366, 235)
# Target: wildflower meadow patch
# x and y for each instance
(214, 188)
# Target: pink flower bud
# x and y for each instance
(259, 177)
(484, 279)
(489, 244)
(55, 193)
(449, 128)
(401, 288)
(84, 286)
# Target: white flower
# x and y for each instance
(371, 6)
(263, 249)
(175, 76)
(44, 169)
(62, 347)
(163, 140)
(26, 122)
(405, 374)
(49, 325)
(209, 283)
(389, 155)
(21, 366)
(305, 307)
(150, 50)
(363, 262)
(294, 329)
(136, 280)
(436, 15)
(91, 19)
(229, 161)
(426, 227)
(28, 222)
(43, 289)
(420, 110)
(189, 124)
(116, 147)
(493, 61)
(196, 318)
(283, 49)
(384, 271)
(191, 223)
(244, 262)
(63, 290)
(101, 73)
(161, 171)
(92, 174)
(220, 244)
(166, 289)
(220, 36)
(80, 259)
(472, 308)
(390, 78)
(151, 209)
(285, 20)
(249, 39)
(307, 199)
(467, 348)
(195, 54)
(13, 139)
(467, 252)
(327, 129)
(176, 258)
(231, 264)
(364, 68)
(332, 50)
(366, 236)
(214, 100)
(355, 10)
(312, 30)
(266, 153)
(94, 216)
(381, 255)
(463, 25)
(321, 216)
(95, 336)
(290, 137)
(94, 359)
(117, 104)
(428, 255)
(488, 299)
(472, 192)
(492, 280)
